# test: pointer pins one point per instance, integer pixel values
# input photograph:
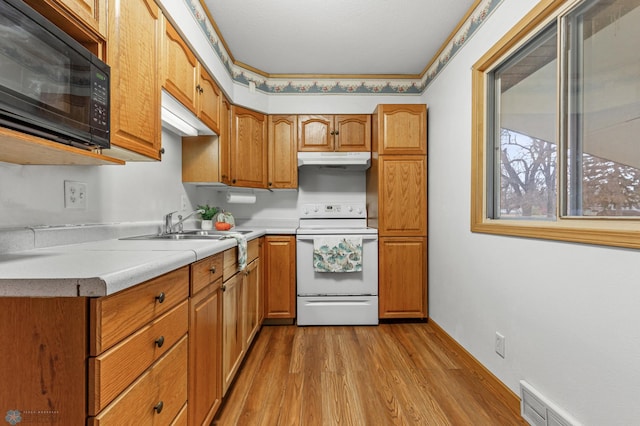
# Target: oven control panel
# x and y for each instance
(333, 210)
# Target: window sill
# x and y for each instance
(608, 232)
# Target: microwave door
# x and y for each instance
(44, 85)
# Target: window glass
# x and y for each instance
(601, 87)
(523, 157)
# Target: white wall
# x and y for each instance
(34, 195)
(569, 312)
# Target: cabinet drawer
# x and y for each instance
(205, 272)
(231, 258)
(181, 418)
(116, 316)
(156, 397)
(230, 263)
(253, 250)
(114, 370)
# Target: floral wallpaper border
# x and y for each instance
(344, 86)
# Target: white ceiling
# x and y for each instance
(336, 37)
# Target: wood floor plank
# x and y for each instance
(392, 374)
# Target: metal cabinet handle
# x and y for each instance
(233, 181)
(160, 297)
(212, 270)
(158, 407)
(160, 341)
(223, 287)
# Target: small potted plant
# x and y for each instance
(207, 215)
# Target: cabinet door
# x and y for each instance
(353, 133)
(248, 148)
(280, 277)
(179, 68)
(232, 329)
(225, 141)
(402, 208)
(209, 101)
(44, 358)
(400, 129)
(251, 301)
(134, 35)
(315, 133)
(205, 354)
(402, 277)
(283, 161)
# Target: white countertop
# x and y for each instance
(101, 268)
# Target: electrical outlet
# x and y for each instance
(184, 202)
(500, 344)
(75, 195)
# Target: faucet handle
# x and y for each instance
(168, 222)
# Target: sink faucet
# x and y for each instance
(169, 226)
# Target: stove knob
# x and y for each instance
(305, 211)
(315, 209)
(350, 209)
(359, 211)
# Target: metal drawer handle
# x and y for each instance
(158, 407)
(160, 341)
(212, 270)
(160, 297)
(223, 287)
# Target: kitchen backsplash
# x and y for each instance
(314, 185)
(32, 196)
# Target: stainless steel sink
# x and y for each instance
(189, 235)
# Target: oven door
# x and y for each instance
(312, 283)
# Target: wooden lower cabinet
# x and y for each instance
(280, 277)
(205, 353)
(157, 397)
(251, 300)
(241, 300)
(402, 277)
(162, 352)
(43, 360)
(232, 351)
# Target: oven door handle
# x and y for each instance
(313, 237)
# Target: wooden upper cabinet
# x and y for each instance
(209, 101)
(400, 129)
(91, 12)
(352, 133)
(179, 67)
(315, 133)
(402, 203)
(283, 161)
(134, 39)
(248, 148)
(334, 132)
(68, 13)
(187, 80)
(226, 114)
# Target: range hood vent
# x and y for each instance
(335, 160)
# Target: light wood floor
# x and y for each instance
(392, 374)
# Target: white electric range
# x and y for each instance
(337, 265)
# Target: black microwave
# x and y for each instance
(50, 85)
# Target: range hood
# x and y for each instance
(335, 160)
